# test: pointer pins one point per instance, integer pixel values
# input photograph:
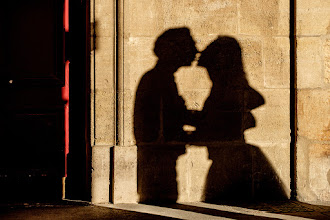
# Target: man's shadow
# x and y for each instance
(159, 116)
(239, 171)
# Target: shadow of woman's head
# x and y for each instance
(175, 47)
(231, 92)
(223, 60)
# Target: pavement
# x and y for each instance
(198, 210)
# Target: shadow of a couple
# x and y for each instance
(238, 171)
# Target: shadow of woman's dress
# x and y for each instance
(239, 171)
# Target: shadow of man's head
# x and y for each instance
(175, 47)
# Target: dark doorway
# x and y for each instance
(79, 168)
(31, 76)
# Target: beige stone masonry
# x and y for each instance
(314, 114)
(272, 119)
(326, 59)
(261, 28)
(124, 175)
(264, 17)
(309, 65)
(313, 17)
(102, 97)
(313, 101)
(100, 174)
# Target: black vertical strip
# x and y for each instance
(293, 101)
(88, 159)
(116, 103)
(116, 70)
(94, 72)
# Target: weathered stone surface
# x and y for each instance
(309, 65)
(278, 156)
(139, 58)
(306, 4)
(194, 85)
(313, 21)
(100, 174)
(157, 175)
(314, 114)
(104, 58)
(319, 155)
(194, 173)
(192, 169)
(103, 96)
(145, 18)
(313, 109)
(304, 192)
(326, 59)
(124, 174)
(142, 18)
(104, 114)
(262, 17)
(313, 171)
(277, 62)
(104, 18)
(252, 58)
(211, 17)
(128, 122)
(272, 118)
(313, 17)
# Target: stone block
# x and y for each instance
(104, 18)
(314, 114)
(143, 18)
(313, 171)
(211, 16)
(157, 175)
(252, 58)
(278, 157)
(309, 63)
(306, 4)
(195, 99)
(124, 174)
(272, 118)
(104, 121)
(266, 182)
(313, 17)
(139, 59)
(277, 62)
(225, 170)
(313, 21)
(192, 169)
(128, 116)
(104, 61)
(326, 60)
(100, 174)
(303, 187)
(104, 95)
(171, 13)
(262, 17)
(319, 155)
(194, 86)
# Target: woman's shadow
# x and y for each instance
(239, 171)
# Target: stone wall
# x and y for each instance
(262, 30)
(253, 164)
(313, 114)
(103, 96)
